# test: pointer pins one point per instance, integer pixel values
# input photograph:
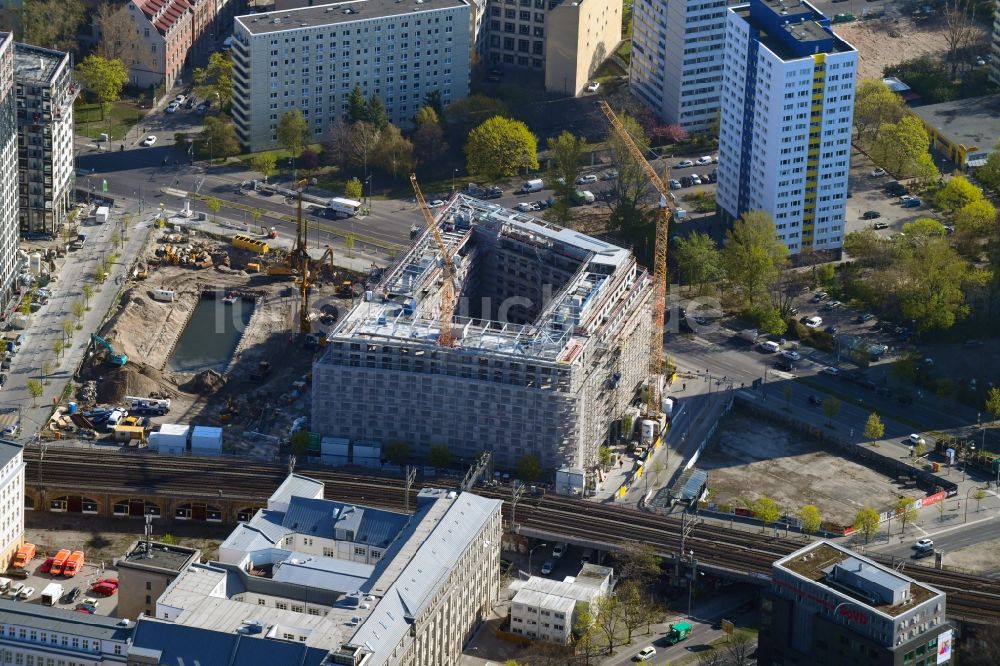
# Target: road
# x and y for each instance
(45, 326)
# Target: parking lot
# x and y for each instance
(89, 574)
(867, 195)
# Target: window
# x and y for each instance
(149, 585)
(262, 602)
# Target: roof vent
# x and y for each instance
(348, 10)
(276, 21)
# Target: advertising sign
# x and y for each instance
(944, 647)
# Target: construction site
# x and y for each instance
(221, 329)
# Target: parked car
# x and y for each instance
(646, 653)
(172, 107)
(695, 179)
(674, 184)
(769, 346)
(913, 202)
(871, 215)
(149, 140)
(878, 172)
(26, 593)
(548, 566)
(586, 180)
(594, 85)
(813, 322)
(179, 99)
(791, 355)
(70, 596)
(880, 225)
(707, 159)
(610, 174)
(189, 104)
(683, 164)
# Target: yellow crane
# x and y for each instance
(659, 258)
(448, 288)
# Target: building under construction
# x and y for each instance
(549, 344)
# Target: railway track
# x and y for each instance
(969, 597)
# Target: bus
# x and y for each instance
(59, 561)
(74, 563)
(341, 207)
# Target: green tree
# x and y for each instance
(766, 510)
(874, 428)
(439, 456)
(397, 453)
(604, 456)
(875, 105)
(638, 561)
(216, 78)
(752, 257)
(866, 521)
(608, 618)
(357, 107)
(51, 23)
(979, 495)
(25, 305)
(293, 132)
(35, 390)
(566, 151)
(58, 347)
(698, 259)
(299, 442)
(831, 408)
(925, 226)
(116, 238)
(905, 510)
(375, 112)
(264, 164)
(993, 402)
(105, 79)
(501, 147)
(394, 152)
(215, 205)
(932, 291)
(810, 517)
(352, 189)
(977, 218)
(466, 113)
(989, 173)
(899, 146)
(529, 468)
(349, 244)
(67, 328)
(218, 138)
(632, 183)
(428, 137)
(46, 371)
(78, 309)
(956, 193)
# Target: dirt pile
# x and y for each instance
(205, 382)
(131, 380)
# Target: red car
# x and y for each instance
(103, 590)
(112, 582)
(46, 566)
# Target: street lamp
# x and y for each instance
(454, 172)
(530, 552)
(694, 575)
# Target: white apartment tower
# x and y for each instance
(9, 261)
(785, 132)
(45, 94)
(677, 50)
(311, 58)
(11, 501)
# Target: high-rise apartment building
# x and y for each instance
(9, 262)
(785, 133)
(677, 50)
(995, 47)
(11, 501)
(311, 58)
(45, 92)
(566, 41)
(828, 606)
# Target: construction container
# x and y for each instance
(252, 244)
(128, 434)
(35, 263)
(648, 431)
(206, 440)
(366, 454)
(171, 439)
(334, 451)
(165, 295)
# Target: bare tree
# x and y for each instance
(711, 658)
(739, 648)
(960, 32)
(118, 32)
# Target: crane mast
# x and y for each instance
(659, 258)
(448, 266)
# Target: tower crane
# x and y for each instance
(448, 266)
(659, 258)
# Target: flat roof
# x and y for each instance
(159, 556)
(61, 620)
(814, 562)
(8, 451)
(968, 122)
(340, 12)
(34, 63)
(805, 25)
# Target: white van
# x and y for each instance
(535, 185)
(14, 589)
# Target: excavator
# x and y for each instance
(114, 358)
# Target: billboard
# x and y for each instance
(944, 647)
